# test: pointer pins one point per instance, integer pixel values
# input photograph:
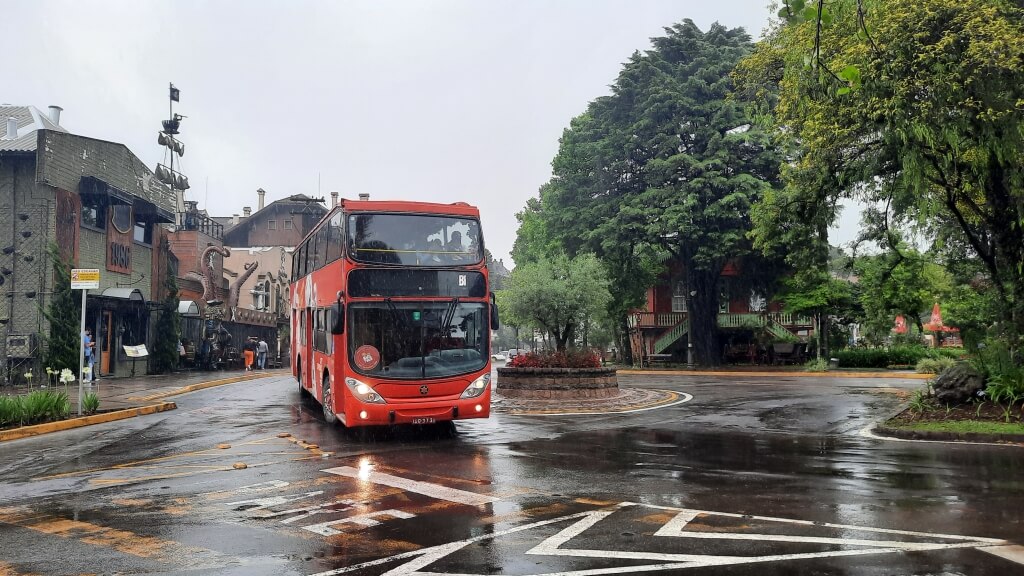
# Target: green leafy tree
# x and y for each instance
(914, 106)
(665, 169)
(558, 295)
(64, 313)
(899, 283)
(168, 326)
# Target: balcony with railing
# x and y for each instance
(193, 219)
(655, 319)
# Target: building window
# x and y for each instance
(94, 211)
(143, 232)
(287, 224)
(679, 296)
(272, 224)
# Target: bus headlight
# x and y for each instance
(363, 391)
(477, 387)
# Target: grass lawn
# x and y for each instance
(928, 415)
(962, 426)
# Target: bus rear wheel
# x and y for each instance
(329, 415)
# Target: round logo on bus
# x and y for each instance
(367, 357)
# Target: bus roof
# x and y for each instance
(399, 206)
(455, 209)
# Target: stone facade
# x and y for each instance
(27, 228)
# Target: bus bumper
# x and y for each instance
(363, 414)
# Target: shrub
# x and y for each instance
(817, 365)
(557, 359)
(881, 357)
(90, 403)
(12, 412)
(44, 405)
(934, 365)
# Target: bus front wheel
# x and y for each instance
(328, 411)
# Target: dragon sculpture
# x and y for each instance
(209, 281)
(235, 288)
(207, 277)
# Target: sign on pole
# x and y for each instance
(85, 278)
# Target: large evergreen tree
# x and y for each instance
(64, 315)
(168, 325)
(666, 168)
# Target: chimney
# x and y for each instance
(12, 129)
(234, 219)
(247, 211)
(263, 196)
(55, 114)
(364, 195)
(334, 199)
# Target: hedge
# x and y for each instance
(897, 355)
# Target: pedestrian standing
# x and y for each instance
(249, 350)
(261, 354)
(90, 359)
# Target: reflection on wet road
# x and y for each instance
(750, 476)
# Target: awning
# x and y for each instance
(143, 208)
(188, 308)
(131, 294)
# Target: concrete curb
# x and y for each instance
(905, 376)
(210, 384)
(935, 436)
(50, 427)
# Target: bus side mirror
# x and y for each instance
(338, 314)
(494, 312)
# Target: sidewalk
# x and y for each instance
(121, 393)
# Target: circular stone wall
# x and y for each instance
(555, 383)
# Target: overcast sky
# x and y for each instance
(434, 100)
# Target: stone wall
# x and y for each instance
(555, 383)
(26, 230)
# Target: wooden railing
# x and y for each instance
(655, 319)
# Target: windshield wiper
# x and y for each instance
(449, 315)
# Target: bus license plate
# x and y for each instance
(424, 420)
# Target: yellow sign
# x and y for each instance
(85, 278)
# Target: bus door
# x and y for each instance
(307, 358)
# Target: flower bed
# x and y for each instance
(557, 383)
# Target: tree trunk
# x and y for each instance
(702, 307)
(625, 345)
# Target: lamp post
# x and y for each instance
(689, 354)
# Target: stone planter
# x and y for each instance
(557, 383)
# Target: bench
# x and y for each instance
(659, 358)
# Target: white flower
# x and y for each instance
(28, 375)
(66, 376)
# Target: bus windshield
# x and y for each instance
(414, 240)
(409, 340)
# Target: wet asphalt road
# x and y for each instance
(752, 476)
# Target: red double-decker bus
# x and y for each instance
(392, 314)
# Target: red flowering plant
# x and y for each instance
(557, 359)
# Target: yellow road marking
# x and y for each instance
(8, 570)
(124, 541)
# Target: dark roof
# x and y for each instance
(300, 199)
(30, 121)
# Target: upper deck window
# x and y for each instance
(414, 240)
